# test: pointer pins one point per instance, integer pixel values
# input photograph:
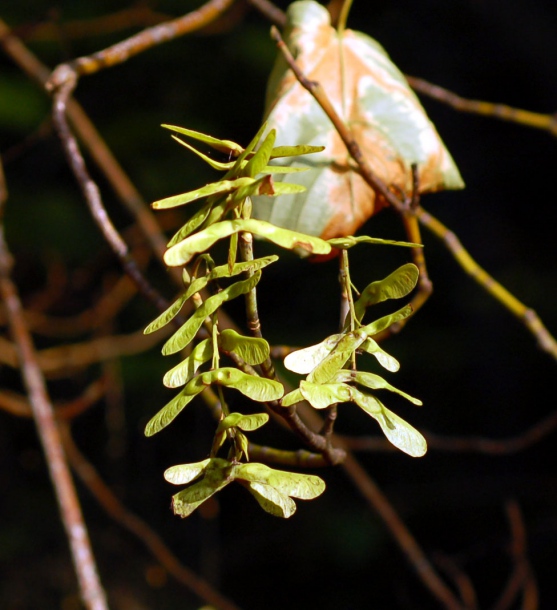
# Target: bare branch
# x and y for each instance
(91, 590)
(547, 122)
(141, 530)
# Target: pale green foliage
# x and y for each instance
(226, 215)
(327, 382)
(273, 489)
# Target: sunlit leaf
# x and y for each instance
(395, 286)
(252, 350)
(183, 372)
(303, 361)
(323, 395)
(399, 432)
(381, 111)
(187, 332)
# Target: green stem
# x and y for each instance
(343, 17)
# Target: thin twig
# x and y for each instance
(527, 315)
(90, 586)
(462, 581)
(316, 441)
(273, 13)
(547, 122)
(141, 530)
(416, 557)
(142, 41)
(351, 466)
(63, 360)
(19, 405)
(521, 578)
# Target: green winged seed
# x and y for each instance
(271, 500)
(256, 388)
(385, 360)
(399, 432)
(185, 473)
(303, 361)
(383, 323)
(286, 188)
(224, 271)
(183, 372)
(344, 243)
(295, 151)
(214, 164)
(338, 357)
(251, 349)
(187, 500)
(170, 411)
(239, 165)
(181, 253)
(244, 443)
(214, 188)
(291, 398)
(373, 382)
(395, 286)
(225, 146)
(247, 423)
(192, 224)
(167, 315)
(323, 395)
(282, 169)
(261, 157)
(261, 186)
(185, 335)
(297, 485)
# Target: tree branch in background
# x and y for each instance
(141, 530)
(547, 122)
(90, 586)
(521, 578)
(527, 315)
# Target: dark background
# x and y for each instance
(476, 368)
